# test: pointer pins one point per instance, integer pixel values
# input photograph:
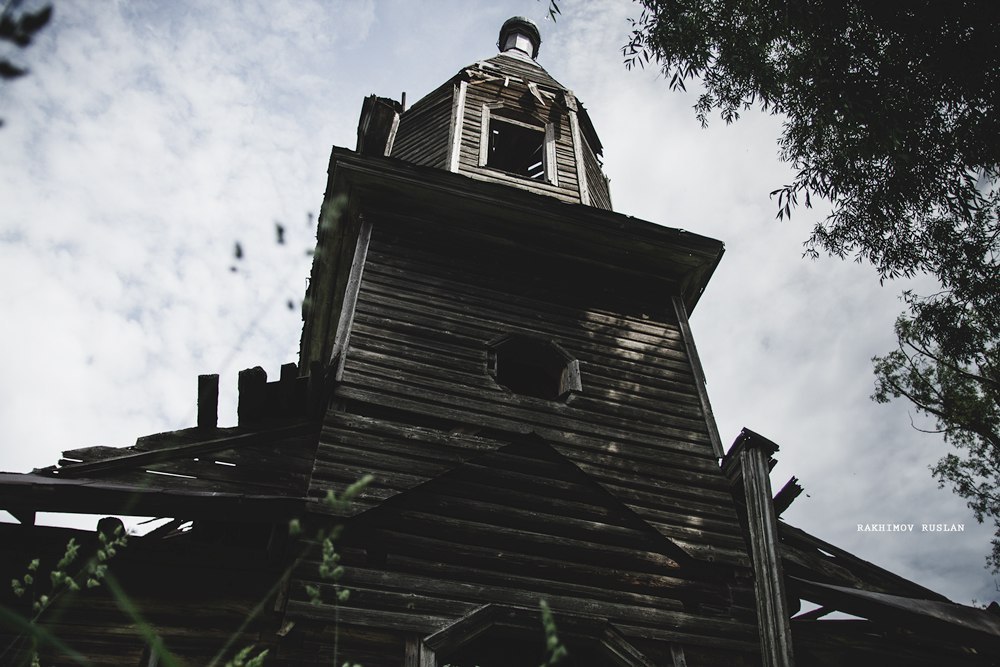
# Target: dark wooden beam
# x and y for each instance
(252, 385)
(343, 335)
(28, 492)
(208, 401)
(795, 542)
(132, 460)
(287, 389)
(699, 375)
(784, 498)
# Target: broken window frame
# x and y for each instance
(546, 356)
(495, 112)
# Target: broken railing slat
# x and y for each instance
(192, 449)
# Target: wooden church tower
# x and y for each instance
(510, 362)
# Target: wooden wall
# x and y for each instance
(196, 593)
(425, 315)
(422, 137)
(610, 503)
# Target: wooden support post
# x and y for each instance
(343, 335)
(252, 386)
(316, 389)
(788, 493)
(699, 374)
(574, 127)
(208, 401)
(748, 465)
(287, 385)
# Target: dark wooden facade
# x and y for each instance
(601, 493)
(609, 502)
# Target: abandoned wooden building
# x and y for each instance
(511, 362)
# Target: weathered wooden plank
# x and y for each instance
(537, 565)
(485, 532)
(413, 367)
(642, 611)
(560, 520)
(631, 374)
(508, 308)
(493, 239)
(476, 325)
(132, 459)
(410, 432)
(482, 586)
(382, 461)
(561, 431)
(514, 496)
(499, 410)
(676, 257)
(635, 608)
(423, 273)
(259, 480)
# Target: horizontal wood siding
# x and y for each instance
(513, 526)
(423, 321)
(422, 137)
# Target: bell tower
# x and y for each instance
(502, 119)
(511, 361)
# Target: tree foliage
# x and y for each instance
(892, 114)
(19, 27)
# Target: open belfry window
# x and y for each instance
(519, 146)
(516, 148)
(533, 367)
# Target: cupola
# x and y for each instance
(519, 34)
(502, 119)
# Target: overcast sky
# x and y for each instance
(150, 137)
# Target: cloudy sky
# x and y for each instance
(150, 137)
